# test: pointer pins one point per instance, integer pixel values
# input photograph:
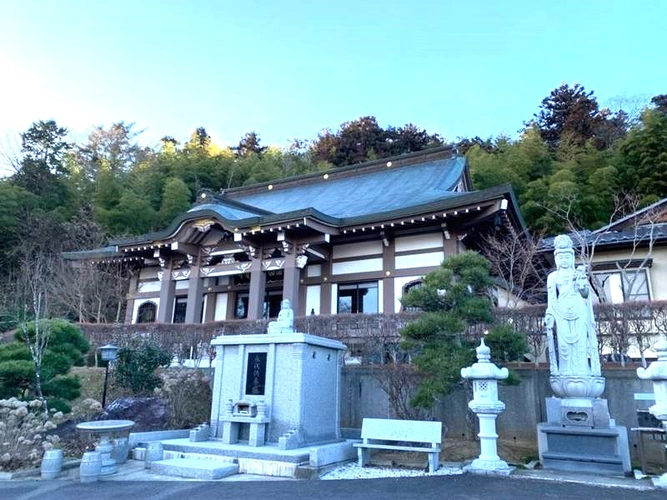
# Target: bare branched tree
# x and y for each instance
(35, 264)
(515, 262)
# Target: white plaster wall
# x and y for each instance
(137, 304)
(507, 299)
(381, 297)
(357, 249)
(419, 260)
(357, 266)
(220, 307)
(334, 298)
(314, 270)
(399, 283)
(657, 273)
(313, 299)
(419, 242)
(148, 273)
(148, 286)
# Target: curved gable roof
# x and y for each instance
(365, 193)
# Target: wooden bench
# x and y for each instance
(385, 434)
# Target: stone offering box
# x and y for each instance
(280, 388)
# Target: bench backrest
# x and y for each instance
(418, 431)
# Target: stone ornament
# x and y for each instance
(657, 373)
(486, 405)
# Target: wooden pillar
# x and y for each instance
(325, 289)
(129, 311)
(165, 311)
(195, 296)
(257, 288)
(450, 245)
(291, 276)
(388, 260)
(231, 305)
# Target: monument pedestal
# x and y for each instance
(579, 436)
(580, 449)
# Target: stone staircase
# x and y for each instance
(195, 468)
(192, 465)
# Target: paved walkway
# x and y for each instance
(132, 481)
(465, 486)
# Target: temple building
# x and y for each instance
(348, 240)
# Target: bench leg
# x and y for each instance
(363, 453)
(433, 461)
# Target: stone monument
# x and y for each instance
(579, 434)
(282, 387)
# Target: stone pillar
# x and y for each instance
(257, 288)
(195, 296)
(165, 312)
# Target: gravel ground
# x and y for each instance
(353, 471)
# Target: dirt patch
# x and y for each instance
(515, 452)
(457, 450)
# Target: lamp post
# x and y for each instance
(109, 353)
(486, 405)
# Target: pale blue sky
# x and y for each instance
(287, 68)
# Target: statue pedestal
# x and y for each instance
(579, 436)
(578, 412)
(582, 449)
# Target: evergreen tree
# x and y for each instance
(176, 199)
(643, 159)
(65, 347)
(452, 297)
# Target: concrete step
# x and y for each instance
(194, 468)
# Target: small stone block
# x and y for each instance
(194, 469)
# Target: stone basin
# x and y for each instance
(105, 428)
(101, 426)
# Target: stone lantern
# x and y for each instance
(657, 372)
(486, 405)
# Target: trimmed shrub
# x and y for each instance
(137, 364)
(65, 348)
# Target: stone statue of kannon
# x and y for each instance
(573, 355)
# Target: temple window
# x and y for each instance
(628, 286)
(147, 312)
(358, 298)
(180, 307)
